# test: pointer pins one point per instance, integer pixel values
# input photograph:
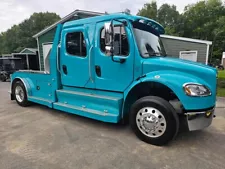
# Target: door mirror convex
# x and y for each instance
(109, 34)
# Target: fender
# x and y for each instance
(175, 80)
(28, 84)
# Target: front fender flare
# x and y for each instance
(172, 79)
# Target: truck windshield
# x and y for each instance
(148, 40)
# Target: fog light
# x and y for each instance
(208, 114)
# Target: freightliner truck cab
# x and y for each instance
(114, 68)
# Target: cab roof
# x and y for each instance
(155, 25)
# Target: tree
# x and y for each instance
(167, 15)
(170, 18)
(205, 20)
(20, 36)
(149, 10)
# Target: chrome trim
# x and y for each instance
(88, 94)
(57, 57)
(19, 94)
(25, 85)
(34, 71)
(10, 90)
(194, 113)
(151, 122)
(90, 75)
(82, 109)
(192, 83)
(201, 112)
(199, 120)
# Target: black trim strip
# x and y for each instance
(200, 110)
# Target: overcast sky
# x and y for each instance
(15, 11)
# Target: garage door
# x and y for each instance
(189, 55)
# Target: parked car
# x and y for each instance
(8, 66)
(217, 64)
(220, 67)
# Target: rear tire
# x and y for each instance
(20, 94)
(154, 120)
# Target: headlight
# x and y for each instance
(194, 89)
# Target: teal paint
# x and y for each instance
(84, 93)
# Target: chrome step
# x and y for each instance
(90, 113)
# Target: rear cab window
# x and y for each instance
(75, 44)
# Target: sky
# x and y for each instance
(15, 11)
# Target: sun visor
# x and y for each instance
(156, 26)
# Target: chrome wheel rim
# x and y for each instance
(19, 93)
(151, 122)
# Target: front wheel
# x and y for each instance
(154, 120)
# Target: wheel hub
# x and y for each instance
(19, 93)
(151, 122)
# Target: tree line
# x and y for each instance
(203, 20)
(19, 36)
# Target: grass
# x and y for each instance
(221, 74)
(221, 92)
(221, 79)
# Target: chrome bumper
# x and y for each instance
(199, 120)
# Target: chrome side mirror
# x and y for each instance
(109, 34)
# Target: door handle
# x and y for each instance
(98, 71)
(64, 69)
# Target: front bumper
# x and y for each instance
(199, 120)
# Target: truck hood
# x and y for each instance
(194, 69)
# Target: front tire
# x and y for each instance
(20, 94)
(154, 120)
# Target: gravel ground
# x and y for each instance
(38, 137)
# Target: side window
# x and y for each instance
(75, 44)
(121, 45)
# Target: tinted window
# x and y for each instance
(75, 44)
(121, 46)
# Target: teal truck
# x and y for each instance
(114, 68)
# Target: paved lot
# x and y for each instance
(38, 137)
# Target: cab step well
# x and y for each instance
(90, 104)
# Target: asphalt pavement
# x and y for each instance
(38, 137)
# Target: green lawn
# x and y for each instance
(221, 92)
(221, 78)
(221, 74)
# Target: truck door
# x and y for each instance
(111, 75)
(74, 57)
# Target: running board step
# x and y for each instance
(92, 102)
(86, 112)
(88, 94)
